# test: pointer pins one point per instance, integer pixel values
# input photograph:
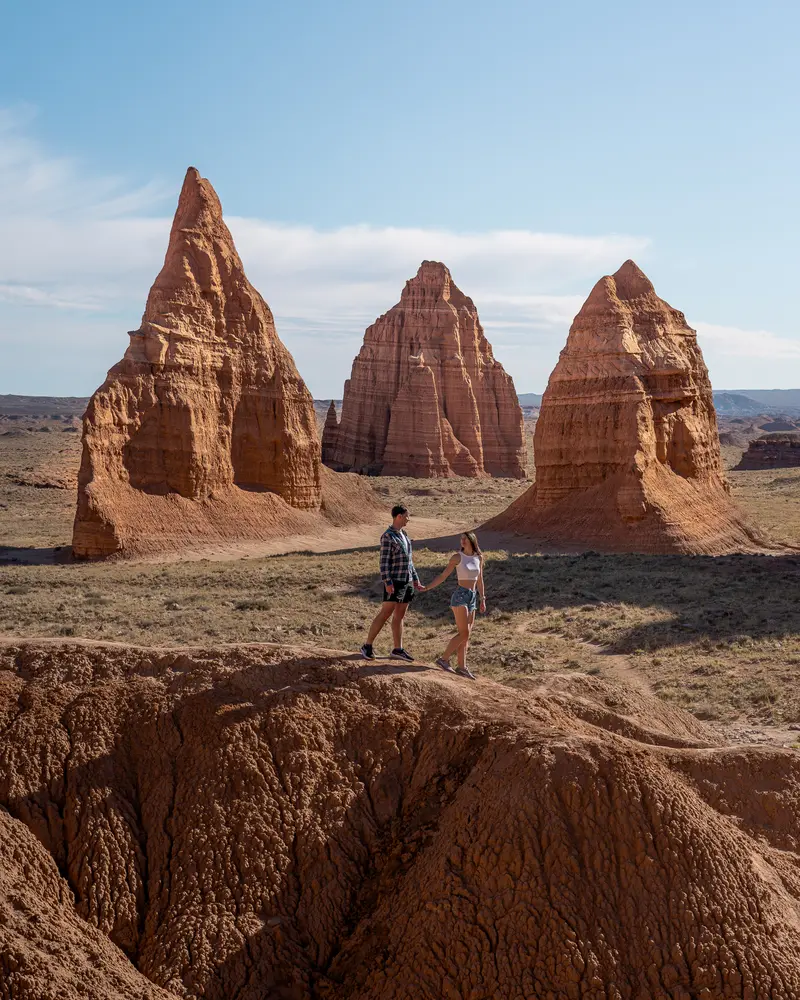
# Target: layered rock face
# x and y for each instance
(626, 445)
(479, 417)
(262, 821)
(205, 413)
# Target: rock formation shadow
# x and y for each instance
(31, 555)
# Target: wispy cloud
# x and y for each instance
(75, 243)
(749, 343)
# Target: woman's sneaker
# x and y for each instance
(465, 672)
(445, 665)
(401, 654)
(366, 651)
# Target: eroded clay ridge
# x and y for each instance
(205, 430)
(426, 397)
(626, 445)
(264, 821)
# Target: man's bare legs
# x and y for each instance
(395, 611)
(397, 624)
(380, 620)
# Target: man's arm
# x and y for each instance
(386, 552)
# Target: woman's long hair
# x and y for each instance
(473, 541)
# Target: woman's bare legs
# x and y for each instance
(462, 649)
(462, 624)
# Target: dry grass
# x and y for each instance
(720, 637)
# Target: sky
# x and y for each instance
(532, 147)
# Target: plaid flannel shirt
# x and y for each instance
(396, 564)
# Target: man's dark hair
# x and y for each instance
(399, 509)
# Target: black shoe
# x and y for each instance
(366, 652)
(401, 654)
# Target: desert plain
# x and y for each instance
(718, 636)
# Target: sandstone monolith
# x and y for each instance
(205, 431)
(329, 433)
(479, 417)
(626, 446)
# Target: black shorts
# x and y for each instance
(403, 593)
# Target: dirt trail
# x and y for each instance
(332, 539)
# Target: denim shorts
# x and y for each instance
(463, 597)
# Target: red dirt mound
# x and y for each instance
(271, 822)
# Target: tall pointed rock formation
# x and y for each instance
(478, 416)
(205, 427)
(626, 445)
(330, 433)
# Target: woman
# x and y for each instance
(469, 566)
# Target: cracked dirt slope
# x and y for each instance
(262, 821)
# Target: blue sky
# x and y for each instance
(531, 147)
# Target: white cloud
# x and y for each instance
(749, 343)
(756, 359)
(76, 244)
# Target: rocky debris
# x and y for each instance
(626, 444)
(474, 395)
(275, 821)
(205, 430)
(778, 450)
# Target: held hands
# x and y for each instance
(419, 587)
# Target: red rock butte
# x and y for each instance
(204, 432)
(426, 397)
(626, 446)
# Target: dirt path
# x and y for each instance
(331, 540)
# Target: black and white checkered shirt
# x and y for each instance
(397, 562)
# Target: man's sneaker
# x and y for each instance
(366, 652)
(401, 654)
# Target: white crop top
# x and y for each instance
(470, 567)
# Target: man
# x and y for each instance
(400, 580)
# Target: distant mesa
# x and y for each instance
(626, 445)
(205, 431)
(779, 449)
(426, 396)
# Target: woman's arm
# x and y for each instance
(481, 590)
(445, 572)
